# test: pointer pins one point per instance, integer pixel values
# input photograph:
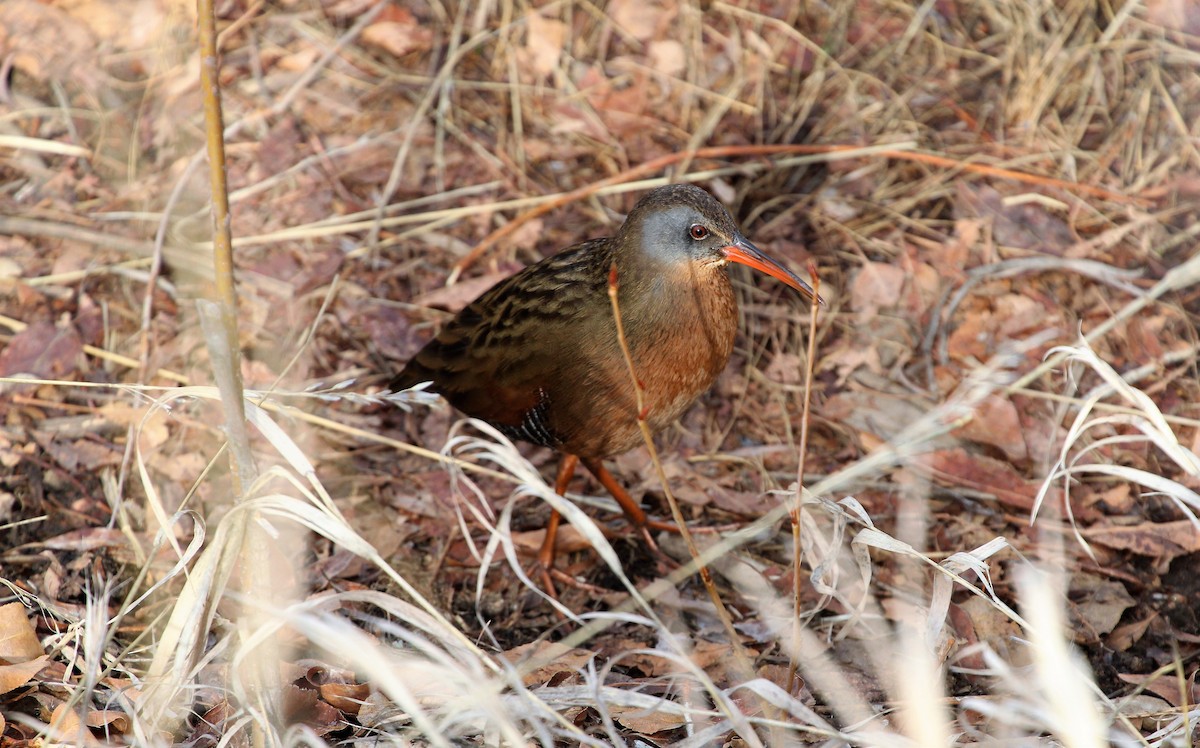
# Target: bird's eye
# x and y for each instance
(698, 232)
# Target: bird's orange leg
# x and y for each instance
(631, 508)
(566, 471)
(633, 511)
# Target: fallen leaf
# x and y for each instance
(28, 25)
(18, 639)
(1125, 636)
(876, 286)
(108, 719)
(977, 621)
(638, 18)
(1097, 606)
(80, 454)
(849, 356)
(304, 705)
(922, 288)
(972, 338)
(152, 432)
(996, 423)
(951, 257)
(743, 503)
(1015, 314)
(646, 721)
(667, 57)
(1146, 712)
(1165, 686)
(1028, 225)
(399, 35)
(1163, 541)
(347, 697)
(785, 368)
(961, 469)
(553, 659)
(15, 676)
(545, 40)
(879, 414)
(42, 351)
(1179, 15)
(1144, 334)
(568, 540)
(65, 722)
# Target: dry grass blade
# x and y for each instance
(794, 515)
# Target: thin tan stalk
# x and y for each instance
(742, 664)
(798, 501)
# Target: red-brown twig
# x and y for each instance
(650, 167)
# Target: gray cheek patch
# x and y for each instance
(668, 223)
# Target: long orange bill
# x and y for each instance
(742, 251)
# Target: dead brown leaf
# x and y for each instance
(996, 423)
(399, 35)
(1126, 635)
(1016, 314)
(65, 723)
(972, 338)
(347, 697)
(1166, 687)
(977, 621)
(109, 720)
(922, 286)
(638, 18)
(84, 454)
(568, 540)
(879, 415)
(1097, 605)
(304, 705)
(454, 298)
(1027, 226)
(876, 286)
(555, 662)
(18, 639)
(42, 351)
(545, 39)
(15, 676)
(744, 503)
(152, 432)
(1181, 15)
(647, 722)
(961, 469)
(27, 24)
(786, 368)
(667, 57)
(1163, 541)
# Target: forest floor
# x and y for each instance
(998, 533)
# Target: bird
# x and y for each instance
(538, 354)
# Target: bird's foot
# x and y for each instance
(548, 575)
(665, 562)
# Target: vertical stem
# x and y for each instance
(798, 502)
(223, 282)
(248, 540)
(741, 664)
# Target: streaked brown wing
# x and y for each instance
(498, 357)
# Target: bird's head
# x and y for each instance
(680, 223)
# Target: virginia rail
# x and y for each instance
(538, 356)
